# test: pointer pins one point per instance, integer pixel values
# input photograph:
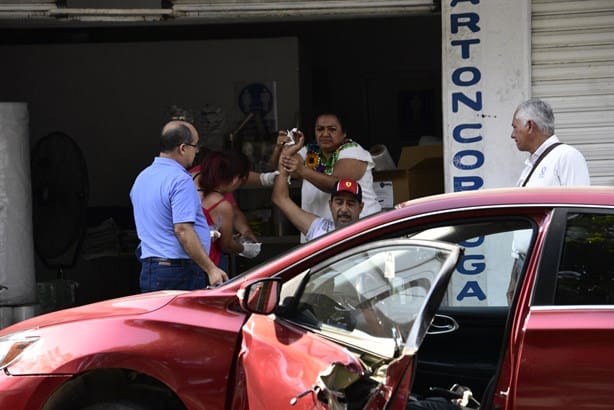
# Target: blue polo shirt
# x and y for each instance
(162, 195)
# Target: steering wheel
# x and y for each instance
(367, 282)
(330, 311)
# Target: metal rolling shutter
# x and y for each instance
(257, 10)
(208, 11)
(572, 58)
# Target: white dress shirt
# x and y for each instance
(563, 166)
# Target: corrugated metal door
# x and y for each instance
(254, 10)
(572, 57)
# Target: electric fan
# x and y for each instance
(60, 190)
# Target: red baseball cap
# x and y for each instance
(348, 185)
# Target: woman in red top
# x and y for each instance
(221, 173)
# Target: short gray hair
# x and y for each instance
(538, 111)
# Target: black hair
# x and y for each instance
(328, 111)
(174, 135)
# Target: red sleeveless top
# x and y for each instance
(215, 251)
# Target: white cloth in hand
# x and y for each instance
(250, 249)
(268, 178)
(214, 233)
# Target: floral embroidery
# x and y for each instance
(313, 160)
(316, 160)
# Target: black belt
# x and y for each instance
(166, 261)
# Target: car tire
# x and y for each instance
(114, 389)
(118, 404)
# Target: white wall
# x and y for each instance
(112, 97)
(485, 75)
(495, 67)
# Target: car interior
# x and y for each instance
(470, 355)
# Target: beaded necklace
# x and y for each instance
(316, 160)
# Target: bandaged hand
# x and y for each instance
(268, 178)
(250, 249)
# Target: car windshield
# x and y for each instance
(371, 297)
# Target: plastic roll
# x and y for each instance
(17, 283)
(381, 158)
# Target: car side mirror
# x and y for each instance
(261, 296)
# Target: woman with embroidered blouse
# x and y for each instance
(334, 156)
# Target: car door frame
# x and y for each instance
(538, 313)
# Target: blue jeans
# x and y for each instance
(178, 275)
(223, 263)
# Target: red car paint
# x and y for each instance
(212, 354)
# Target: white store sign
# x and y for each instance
(486, 74)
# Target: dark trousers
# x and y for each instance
(171, 274)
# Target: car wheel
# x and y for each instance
(118, 404)
(116, 389)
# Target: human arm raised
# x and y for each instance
(300, 218)
(190, 242)
(282, 139)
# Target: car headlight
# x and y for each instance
(13, 345)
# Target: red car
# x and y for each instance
(397, 303)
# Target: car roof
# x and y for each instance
(579, 195)
(589, 196)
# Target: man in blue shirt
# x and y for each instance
(174, 234)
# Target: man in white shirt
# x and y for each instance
(533, 131)
(551, 163)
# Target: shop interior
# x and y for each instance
(103, 92)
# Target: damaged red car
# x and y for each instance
(370, 316)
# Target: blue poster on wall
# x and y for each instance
(258, 99)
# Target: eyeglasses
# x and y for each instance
(196, 147)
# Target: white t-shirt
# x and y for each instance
(316, 201)
(319, 227)
(563, 166)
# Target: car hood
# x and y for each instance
(130, 305)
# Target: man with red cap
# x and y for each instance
(345, 206)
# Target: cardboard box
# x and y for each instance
(419, 173)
